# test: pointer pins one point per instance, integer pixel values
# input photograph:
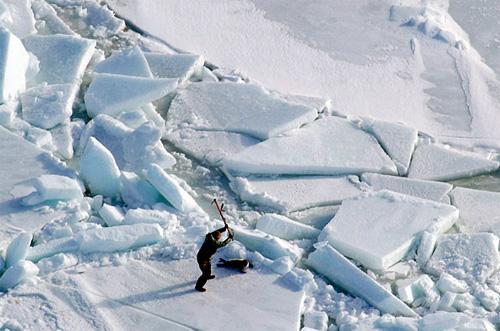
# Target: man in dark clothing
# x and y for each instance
(204, 257)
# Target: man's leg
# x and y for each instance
(206, 270)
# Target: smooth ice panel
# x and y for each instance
(234, 107)
(328, 146)
(380, 228)
(341, 272)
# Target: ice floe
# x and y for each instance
(63, 58)
(129, 62)
(439, 162)
(397, 139)
(479, 210)
(170, 189)
(289, 194)
(99, 170)
(112, 215)
(132, 149)
(419, 188)
(46, 106)
(285, 228)
(16, 274)
(240, 108)
(328, 146)
(113, 94)
(211, 147)
(341, 272)
(53, 188)
(267, 245)
(360, 223)
(180, 66)
(18, 249)
(471, 257)
(14, 62)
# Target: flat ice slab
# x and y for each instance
(471, 257)
(180, 66)
(53, 187)
(285, 228)
(343, 273)
(113, 94)
(289, 194)
(50, 105)
(211, 147)
(63, 58)
(453, 321)
(130, 62)
(479, 210)
(163, 292)
(419, 188)
(267, 245)
(379, 229)
(438, 162)
(328, 146)
(397, 139)
(14, 62)
(234, 107)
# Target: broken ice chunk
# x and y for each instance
(49, 105)
(240, 108)
(112, 215)
(129, 62)
(63, 58)
(21, 21)
(211, 147)
(165, 219)
(419, 188)
(181, 66)
(420, 288)
(360, 223)
(269, 246)
(397, 139)
(132, 149)
(119, 238)
(285, 228)
(471, 257)
(99, 170)
(479, 210)
(113, 94)
(426, 247)
(328, 146)
(18, 249)
(171, 190)
(63, 140)
(453, 321)
(439, 162)
(137, 192)
(14, 62)
(341, 272)
(53, 187)
(47, 20)
(16, 274)
(289, 194)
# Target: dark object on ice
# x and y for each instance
(239, 264)
(207, 250)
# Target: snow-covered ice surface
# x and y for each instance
(312, 130)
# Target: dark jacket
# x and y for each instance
(210, 245)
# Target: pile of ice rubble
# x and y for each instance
(361, 202)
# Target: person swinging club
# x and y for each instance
(208, 248)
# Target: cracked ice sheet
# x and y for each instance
(360, 223)
(234, 107)
(211, 147)
(328, 146)
(290, 194)
(166, 290)
(22, 161)
(479, 210)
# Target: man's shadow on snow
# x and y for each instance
(165, 293)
